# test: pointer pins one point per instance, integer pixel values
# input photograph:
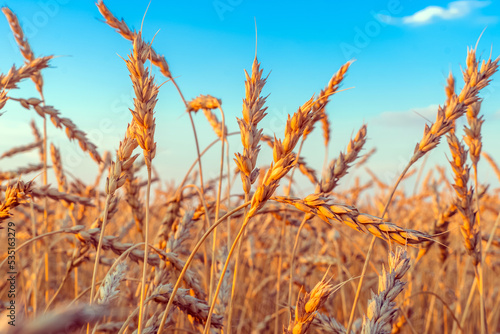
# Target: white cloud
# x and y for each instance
(454, 10)
(415, 117)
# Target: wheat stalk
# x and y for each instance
(473, 140)
(253, 111)
(20, 171)
(57, 166)
(54, 194)
(24, 46)
(15, 194)
(328, 324)
(132, 192)
(325, 209)
(322, 101)
(308, 305)
(63, 320)
(143, 128)
(338, 167)
(16, 75)
(122, 28)
(464, 193)
(72, 132)
(195, 307)
(456, 105)
(109, 289)
(381, 307)
(21, 149)
(116, 179)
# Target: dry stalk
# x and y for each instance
(337, 169)
(72, 132)
(191, 257)
(37, 78)
(21, 149)
(20, 171)
(470, 228)
(207, 102)
(159, 61)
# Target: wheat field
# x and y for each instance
(235, 246)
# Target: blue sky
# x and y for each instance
(404, 51)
